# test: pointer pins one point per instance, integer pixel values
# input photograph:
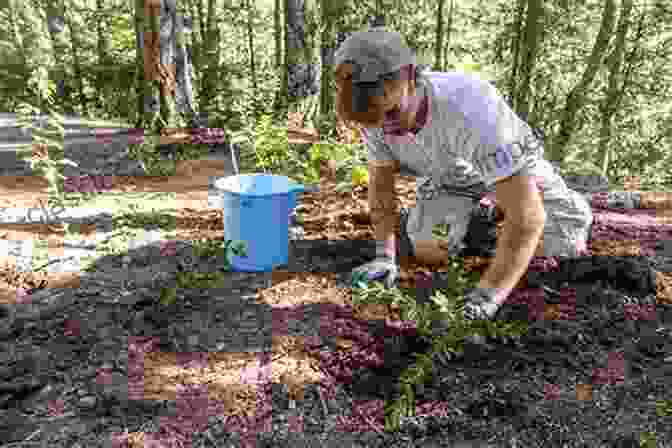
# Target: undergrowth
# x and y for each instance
(133, 218)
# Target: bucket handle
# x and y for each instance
(297, 188)
(294, 188)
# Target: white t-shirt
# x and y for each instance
(471, 140)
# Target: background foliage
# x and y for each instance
(97, 56)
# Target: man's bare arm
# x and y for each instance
(383, 203)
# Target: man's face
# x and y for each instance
(394, 90)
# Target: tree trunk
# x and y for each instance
(615, 88)
(203, 20)
(449, 30)
(576, 98)
(516, 39)
(143, 119)
(438, 48)
(253, 70)
(148, 101)
(103, 84)
(277, 26)
(163, 70)
(198, 34)
(195, 45)
(280, 101)
(534, 13)
(77, 65)
(330, 13)
(163, 66)
(301, 74)
(208, 97)
(55, 25)
(184, 92)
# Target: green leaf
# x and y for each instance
(168, 296)
(240, 248)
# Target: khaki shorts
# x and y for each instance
(568, 214)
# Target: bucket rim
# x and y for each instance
(295, 187)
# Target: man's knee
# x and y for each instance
(566, 240)
(568, 227)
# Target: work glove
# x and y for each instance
(479, 304)
(383, 268)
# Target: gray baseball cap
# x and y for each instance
(377, 55)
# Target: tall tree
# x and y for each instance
(330, 13)
(277, 31)
(184, 92)
(146, 31)
(209, 58)
(103, 84)
(55, 17)
(528, 61)
(253, 68)
(516, 43)
(78, 70)
(438, 41)
(616, 87)
(576, 98)
(164, 88)
(448, 33)
(301, 73)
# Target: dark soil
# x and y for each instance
(599, 346)
(588, 373)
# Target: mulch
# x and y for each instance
(95, 355)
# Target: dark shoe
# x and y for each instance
(481, 237)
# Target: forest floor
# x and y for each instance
(92, 355)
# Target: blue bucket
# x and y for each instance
(257, 209)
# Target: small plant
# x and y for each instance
(205, 280)
(237, 248)
(147, 153)
(46, 153)
(187, 151)
(271, 145)
(360, 175)
(447, 304)
(648, 439)
(664, 408)
(441, 231)
(351, 167)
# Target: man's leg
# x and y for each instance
(568, 222)
(568, 214)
